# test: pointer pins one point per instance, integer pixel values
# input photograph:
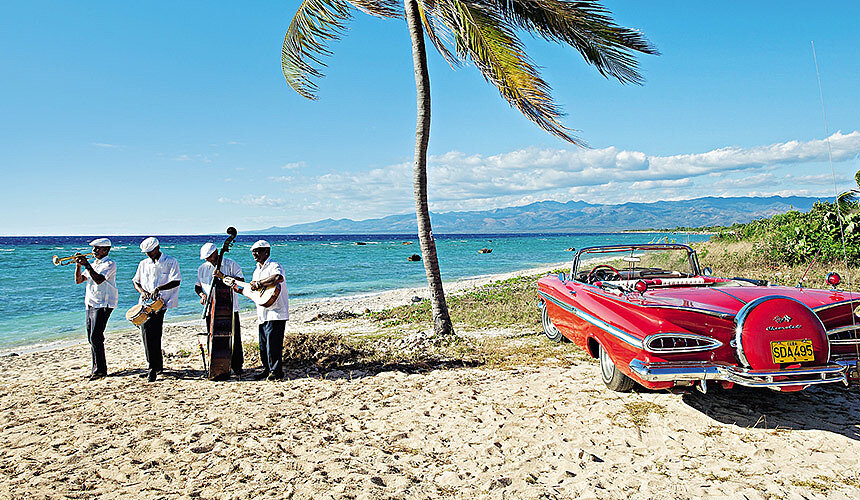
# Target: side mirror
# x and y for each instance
(562, 277)
(707, 271)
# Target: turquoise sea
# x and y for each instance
(40, 303)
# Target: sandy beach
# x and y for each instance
(421, 431)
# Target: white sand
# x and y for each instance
(528, 433)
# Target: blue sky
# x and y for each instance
(174, 117)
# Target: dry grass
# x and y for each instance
(637, 412)
(812, 485)
(526, 350)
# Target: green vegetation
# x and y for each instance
(800, 237)
(787, 248)
(511, 303)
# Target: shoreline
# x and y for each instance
(536, 428)
(302, 311)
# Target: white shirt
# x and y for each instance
(281, 308)
(229, 267)
(161, 272)
(105, 293)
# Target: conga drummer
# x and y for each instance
(157, 276)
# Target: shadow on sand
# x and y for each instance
(348, 371)
(833, 409)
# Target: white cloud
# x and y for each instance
(255, 201)
(194, 157)
(294, 165)
(665, 183)
(460, 181)
(105, 145)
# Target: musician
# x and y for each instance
(272, 320)
(100, 299)
(203, 287)
(157, 276)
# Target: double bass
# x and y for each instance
(221, 327)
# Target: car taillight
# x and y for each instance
(679, 342)
(833, 279)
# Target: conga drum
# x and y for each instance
(156, 305)
(137, 314)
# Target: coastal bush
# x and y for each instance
(743, 259)
(321, 349)
(801, 237)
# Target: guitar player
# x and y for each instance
(272, 320)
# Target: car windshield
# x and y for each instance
(633, 263)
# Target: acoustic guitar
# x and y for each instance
(263, 297)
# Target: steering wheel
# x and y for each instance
(603, 272)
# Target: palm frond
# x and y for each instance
(379, 8)
(585, 25)
(432, 27)
(490, 42)
(316, 23)
(847, 201)
(857, 178)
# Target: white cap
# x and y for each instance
(100, 242)
(148, 244)
(260, 244)
(206, 250)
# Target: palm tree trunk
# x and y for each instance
(441, 321)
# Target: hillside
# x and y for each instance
(573, 216)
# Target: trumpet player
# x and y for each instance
(100, 299)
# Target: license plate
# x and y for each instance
(792, 351)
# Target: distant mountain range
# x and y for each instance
(573, 216)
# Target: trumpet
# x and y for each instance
(64, 261)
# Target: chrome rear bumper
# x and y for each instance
(706, 370)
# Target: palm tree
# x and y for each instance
(847, 202)
(481, 31)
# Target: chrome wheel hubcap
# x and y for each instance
(607, 367)
(548, 328)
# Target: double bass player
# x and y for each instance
(203, 288)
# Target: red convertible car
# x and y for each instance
(653, 317)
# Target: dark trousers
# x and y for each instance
(237, 359)
(97, 318)
(272, 346)
(151, 331)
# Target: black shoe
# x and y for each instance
(97, 375)
(275, 376)
(262, 375)
(151, 376)
(238, 372)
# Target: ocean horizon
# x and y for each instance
(40, 303)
